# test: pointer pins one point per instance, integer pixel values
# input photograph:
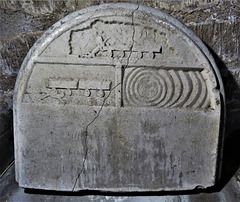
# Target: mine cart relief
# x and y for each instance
(77, 91)
(115, 39)
(70, 90)
(100, 86)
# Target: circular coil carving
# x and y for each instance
(165, 88)
(145, 87)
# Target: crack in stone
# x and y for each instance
(98, 114)
(133, 35)
(86, 134)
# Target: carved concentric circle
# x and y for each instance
(145, 87)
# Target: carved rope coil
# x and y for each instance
(165, 88)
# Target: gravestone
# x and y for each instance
(118, 97)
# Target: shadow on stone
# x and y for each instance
(231, 150)
(231, 160)
(104, 193)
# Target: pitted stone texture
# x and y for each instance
(118, 97)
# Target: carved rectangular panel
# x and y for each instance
(95, 85)
(62, 83)
(72, 85)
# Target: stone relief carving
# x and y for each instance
(114, 99)
(117, 41)
(68, 90)
(176, 87)
(142, 87)
(165, 88)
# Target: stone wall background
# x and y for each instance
(216, 22)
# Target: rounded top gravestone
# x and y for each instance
(118, 97)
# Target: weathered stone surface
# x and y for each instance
(172, 4)
(238, 177)
(13, 51)
(10, 191)
(120, 98)
(46, 7)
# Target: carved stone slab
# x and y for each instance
(118, 97)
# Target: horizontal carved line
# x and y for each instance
(124, 62)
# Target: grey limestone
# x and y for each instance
(10, 191)
(118, 97)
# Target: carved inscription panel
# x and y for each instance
(118, 97)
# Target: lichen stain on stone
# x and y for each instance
(150, 128)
